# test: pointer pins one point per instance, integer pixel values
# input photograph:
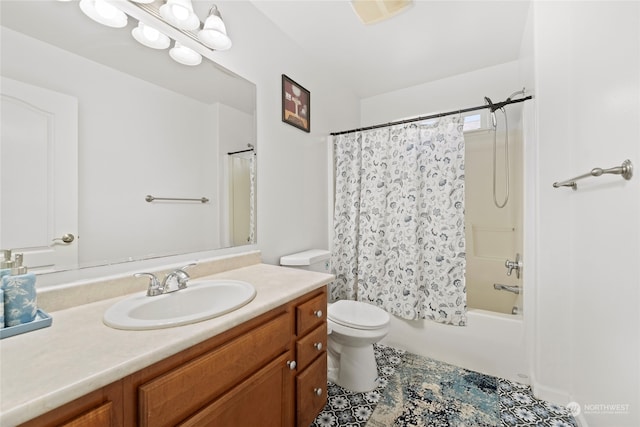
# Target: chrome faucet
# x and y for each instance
(155, 288)
(514, 265)
(176, 279)
(509, 288)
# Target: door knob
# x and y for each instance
(66, 238)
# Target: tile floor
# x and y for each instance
(515, 405)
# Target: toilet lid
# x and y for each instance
(356, 314)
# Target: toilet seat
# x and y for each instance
(357, 315)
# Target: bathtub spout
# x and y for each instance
(508, 288)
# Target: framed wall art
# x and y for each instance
(296, 104)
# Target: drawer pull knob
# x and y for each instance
(318, 313)
(292, 364)
(318, 346)
(318, 391)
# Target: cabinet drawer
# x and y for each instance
(174, 396)
(311, 391)
(311, 313)
(312, 345)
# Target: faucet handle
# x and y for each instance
(182, 276)
(155, 288)
(193, 264)
(514, 265)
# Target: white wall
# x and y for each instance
(449, 94)
(292, 164)
(585, 339)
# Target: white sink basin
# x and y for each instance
(201, 300)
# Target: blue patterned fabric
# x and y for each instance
(418, 391)
(20, 305)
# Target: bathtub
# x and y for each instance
(491, 343)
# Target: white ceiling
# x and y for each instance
(428, 41)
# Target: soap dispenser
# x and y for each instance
(19, 287)
(5, 262)
(5, 268)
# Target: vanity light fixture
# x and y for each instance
(179, 13)
(104, 13)
(214, 33)
(185, 55)
(150, 37)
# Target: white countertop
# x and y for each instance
(46, 368)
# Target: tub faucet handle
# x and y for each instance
(514, 265)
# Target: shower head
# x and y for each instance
(520, 92)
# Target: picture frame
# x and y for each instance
(296, 104)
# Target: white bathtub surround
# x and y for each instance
(490, 343)
(399, 219)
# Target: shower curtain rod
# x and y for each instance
(493, 107)
(241, 151)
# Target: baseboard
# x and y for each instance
(550, 394)
(557, 396)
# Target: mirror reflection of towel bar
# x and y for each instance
(150, 199)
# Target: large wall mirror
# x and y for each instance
(93, 122)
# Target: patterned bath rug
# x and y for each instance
(347, 408)
(425, 392)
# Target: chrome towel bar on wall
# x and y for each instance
(151, 198)
(626, 170)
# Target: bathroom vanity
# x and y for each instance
(263, 364)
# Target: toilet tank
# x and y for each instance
(312, 260)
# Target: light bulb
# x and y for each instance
(150, 33)
(185, 55)
(214, 32)
(180, 12)
(150, 37)
(103, 12)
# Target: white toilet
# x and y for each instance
(353, 326)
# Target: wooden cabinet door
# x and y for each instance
(311, 391)
(262, 400)
(100, 408)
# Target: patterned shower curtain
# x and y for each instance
(399, 220)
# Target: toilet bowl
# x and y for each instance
(353, 327)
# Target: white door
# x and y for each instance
(39, 175)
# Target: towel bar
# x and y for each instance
(151, 198)
(626, 170)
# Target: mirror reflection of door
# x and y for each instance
(240, 170)
(38, 174)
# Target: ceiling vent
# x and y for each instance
(372, 11)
